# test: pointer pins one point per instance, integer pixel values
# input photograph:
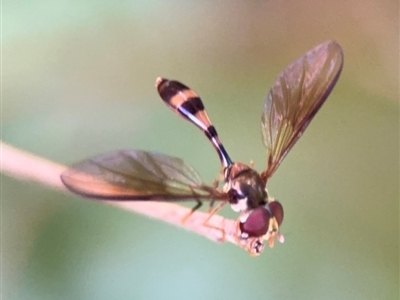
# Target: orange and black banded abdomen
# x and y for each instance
(186, 103)
(183, 101)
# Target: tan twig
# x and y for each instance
(25, 166)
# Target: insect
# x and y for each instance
(135, 175)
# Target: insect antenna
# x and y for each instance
(187, 104)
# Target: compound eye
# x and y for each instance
(257, 222)
(276, 210)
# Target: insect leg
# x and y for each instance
(213, 212)
(210, 206)
(237, 231)
(196, 207)
(215, 186)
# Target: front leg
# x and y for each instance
(211, 213)
(196, 207)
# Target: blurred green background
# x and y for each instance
(78, 80)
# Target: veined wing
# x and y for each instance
(137, 175)
(295, 98)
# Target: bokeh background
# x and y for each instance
(78, 80)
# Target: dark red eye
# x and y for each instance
(257, 222)
(276, 210)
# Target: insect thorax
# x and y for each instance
(245, 187)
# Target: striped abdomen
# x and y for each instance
(187, 104)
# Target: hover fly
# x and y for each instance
(134, 175)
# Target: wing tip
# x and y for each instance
(331, 46)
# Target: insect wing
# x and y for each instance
(295, 98)
(137, 175)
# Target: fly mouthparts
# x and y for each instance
(271, 239)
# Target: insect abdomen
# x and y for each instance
(182, 100)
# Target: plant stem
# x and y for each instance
(26, 166)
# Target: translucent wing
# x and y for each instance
(295, 98)
(137, 175)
